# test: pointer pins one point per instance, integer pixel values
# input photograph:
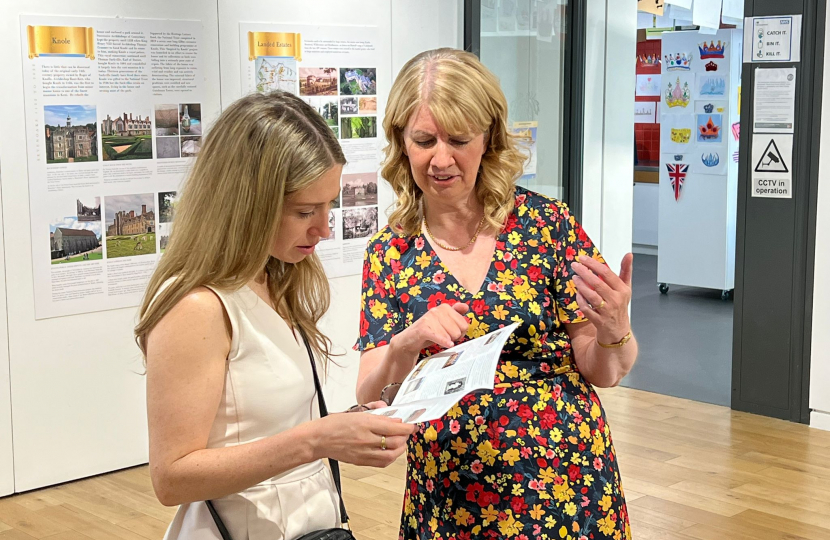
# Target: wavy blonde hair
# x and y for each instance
(463, 96)
(262, 148)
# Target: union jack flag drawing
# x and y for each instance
(677, 174)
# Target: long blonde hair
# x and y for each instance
(262, 148)
(461, 93)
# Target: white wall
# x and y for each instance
(820, 361)
(78, 404)
(6, 453)
(608, 145)
(644, 235)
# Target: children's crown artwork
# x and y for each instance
(677, 95)
(713, 86)
(650, 60)
(711, 50)
(681, 135)
(708, 108)
(709, 131)
(711, 66)
(678, 62)
(712, 160)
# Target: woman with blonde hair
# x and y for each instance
(229, 331)
(467, 252)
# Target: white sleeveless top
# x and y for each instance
(269, 388)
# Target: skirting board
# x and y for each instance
(820, 420)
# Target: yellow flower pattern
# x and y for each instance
(533, 458)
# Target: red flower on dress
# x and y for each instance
(534, 273)
(518, 505)
(525, 413)
(400, 244)
(436, 299)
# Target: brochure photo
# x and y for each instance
(439, 381)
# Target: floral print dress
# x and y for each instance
(533, 458)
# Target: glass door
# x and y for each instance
(524, 43)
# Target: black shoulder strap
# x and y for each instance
(335, 467)
(219, 524)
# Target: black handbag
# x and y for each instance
(336, 533)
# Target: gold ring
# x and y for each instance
(599, 307)
(383, 442)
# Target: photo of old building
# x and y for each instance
(127, 223)
(91, 212)
(71, 134)
(71, 240)
(360, 189)
(131, 225)
(127, 136)
(126, 126)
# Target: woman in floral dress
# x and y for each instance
(468, 252)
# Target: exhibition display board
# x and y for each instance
(699, 131)
(115, 114)
(106, 123)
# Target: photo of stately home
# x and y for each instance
(318, 81)
(132, 222)
(126, 126)
(360, 189)
(71, 133)
(127, 136)
(130, 231)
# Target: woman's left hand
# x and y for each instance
(603, 296)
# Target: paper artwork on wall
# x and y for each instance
(677, 176)
(676, 133)
(677, 93)
(710, 85)
(648, 85)
(710, 107)
(712, 49)
(736, 131)
(712, 161)
(709, 128)
(645, 112)
(678, 61)
(648, 60)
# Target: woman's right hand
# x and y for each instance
(442, 325)
(357, 438)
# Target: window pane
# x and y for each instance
(523, 43)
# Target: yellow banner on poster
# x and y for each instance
(61, 40)
(274, 44)
(650, 6)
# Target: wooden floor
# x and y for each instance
(690, 471)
